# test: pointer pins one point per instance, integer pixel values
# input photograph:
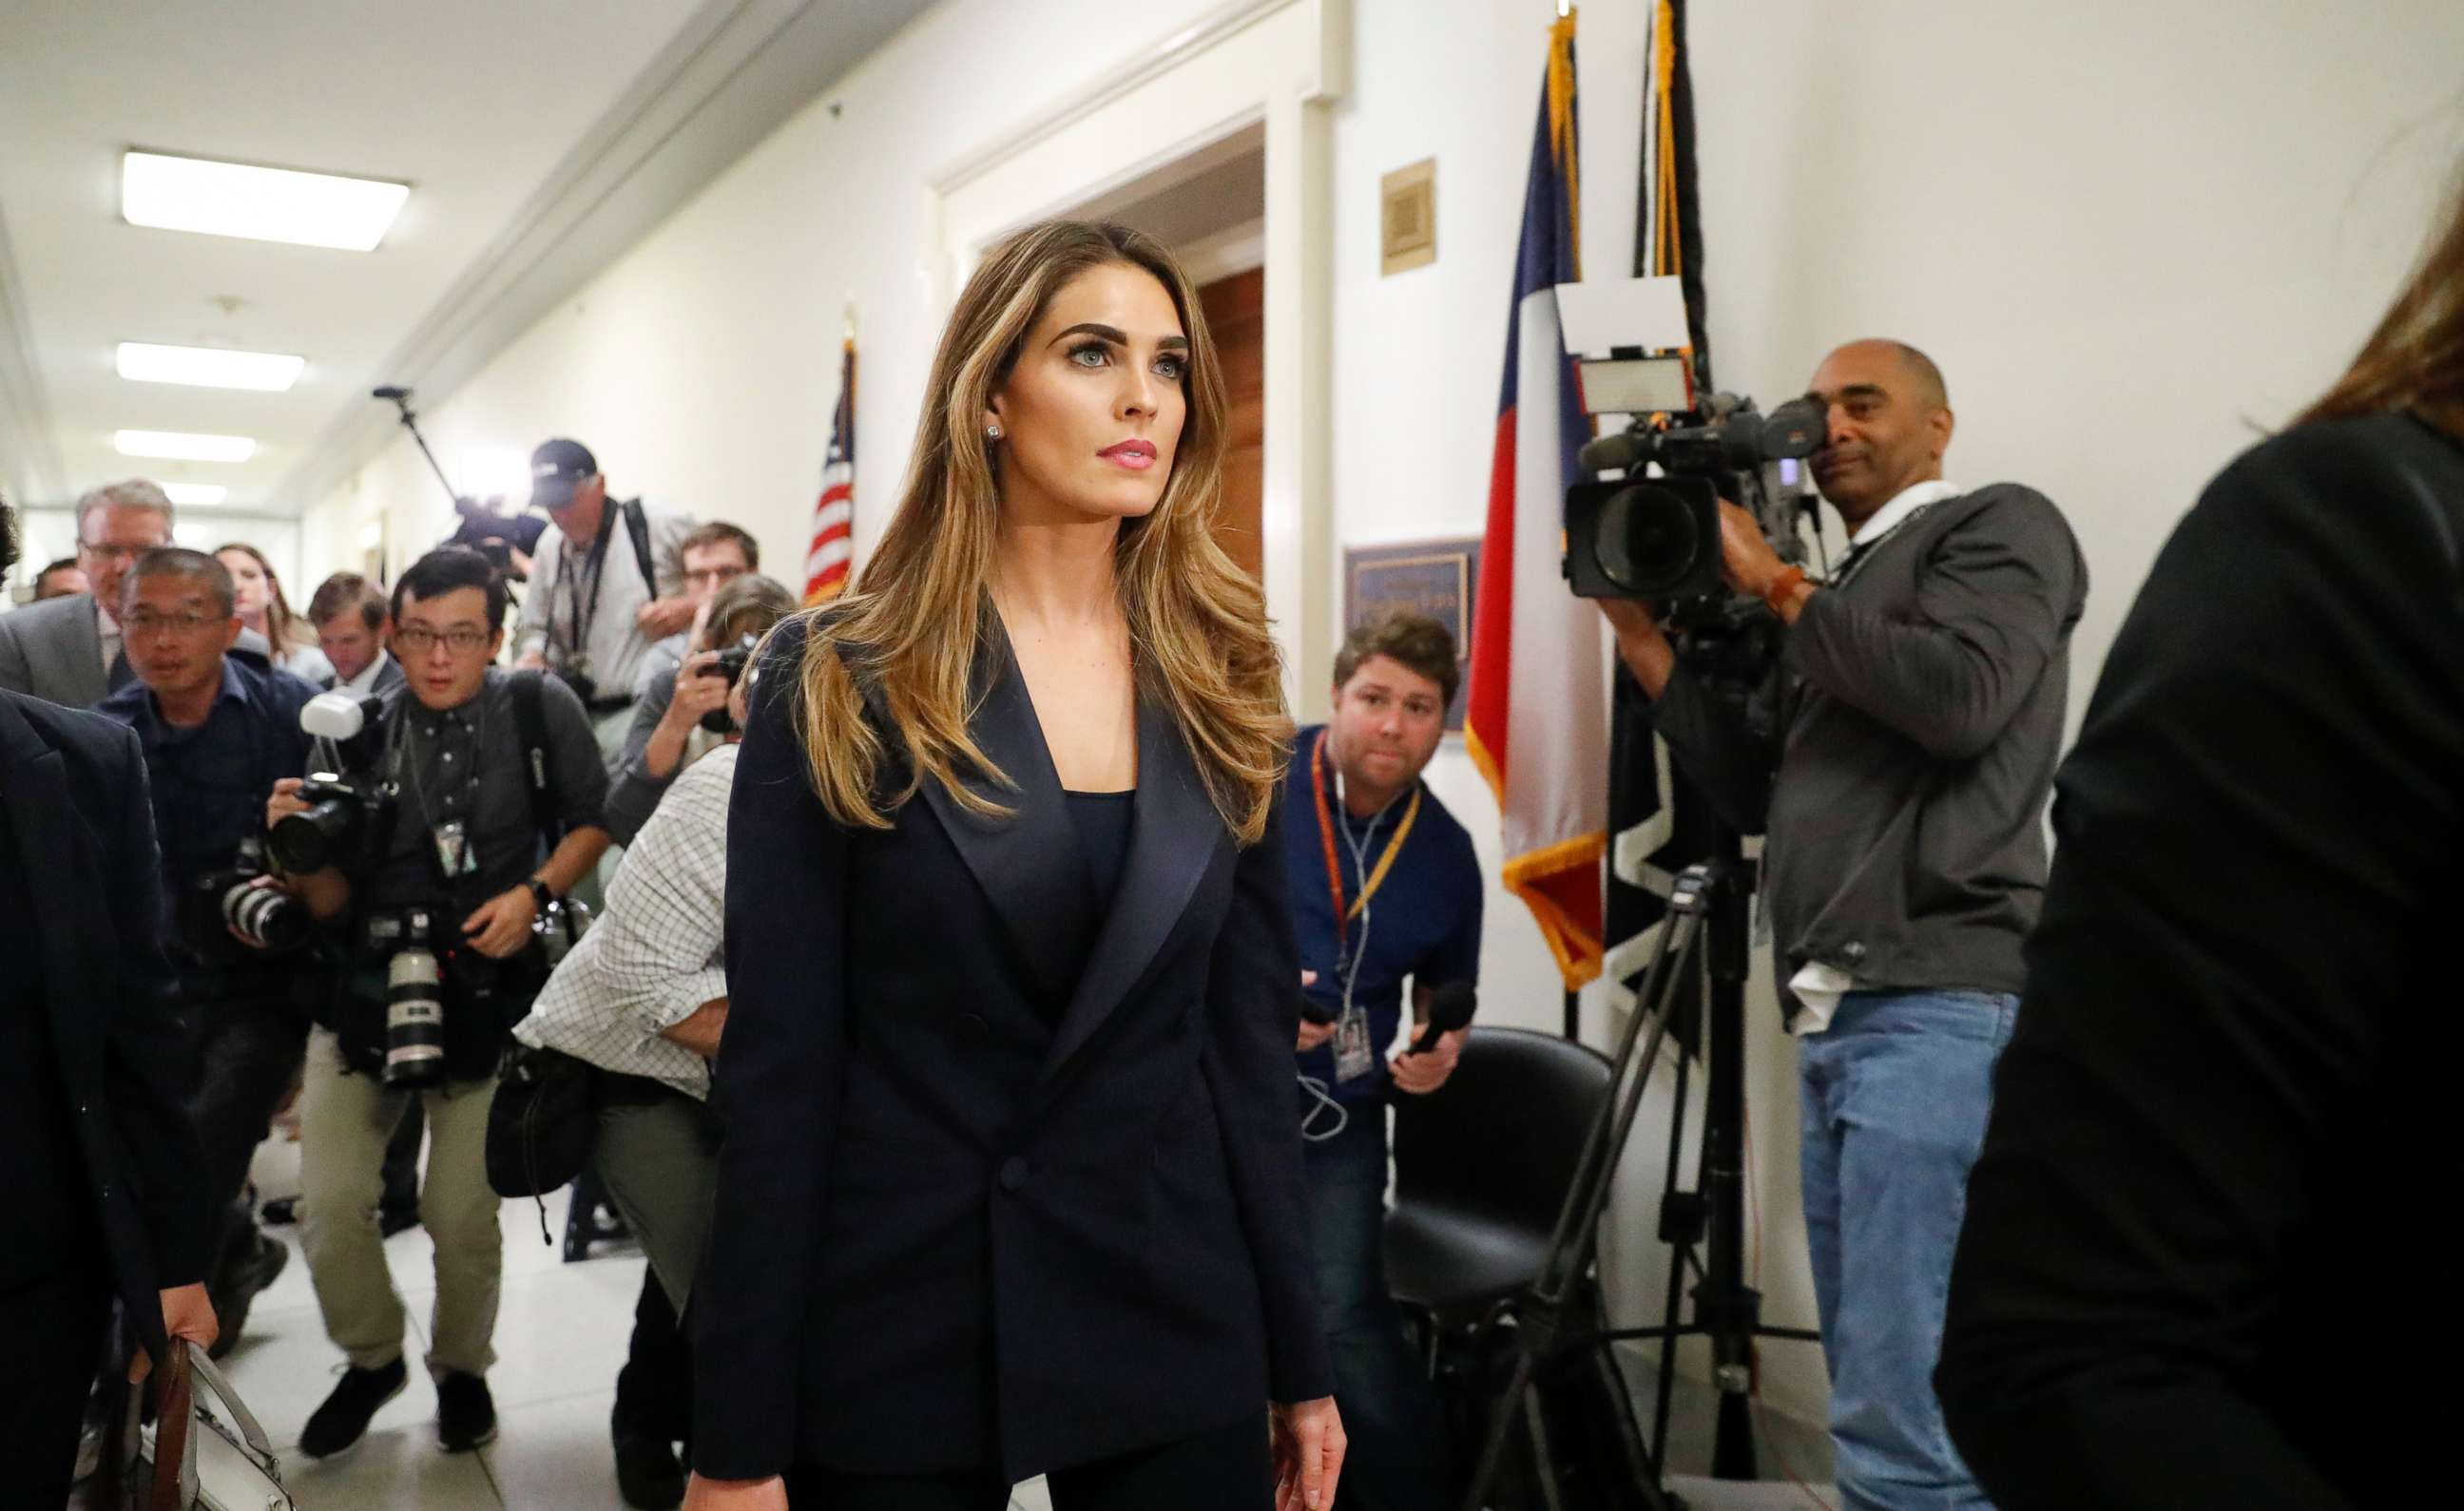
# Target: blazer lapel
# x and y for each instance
(35, 787)
(1028, 863)
(1175, 833)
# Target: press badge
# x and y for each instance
(455, 855)
(1353, 1055)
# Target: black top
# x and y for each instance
(990, 1196)
(42, 1175)
(1103, 820)
(81, 834)
(1899, 757)
(2223, 1132)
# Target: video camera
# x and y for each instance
(351, 807)
(490, 530)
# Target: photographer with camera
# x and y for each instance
(1898, 758)
(683, 710)
(607, 583)
(433, 862)
(216, 735)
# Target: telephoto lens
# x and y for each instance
(414, 1041)
(265, 916)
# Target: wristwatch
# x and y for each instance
(540, 895)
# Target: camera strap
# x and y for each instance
(530, 726)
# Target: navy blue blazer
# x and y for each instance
(74, 784)
(1007, 1180)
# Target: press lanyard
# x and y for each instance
(1859, 555)
(583, 618)
(1373, 879)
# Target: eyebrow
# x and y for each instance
(1120, 337)
(1854, 391)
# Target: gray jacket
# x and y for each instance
(1900, 758)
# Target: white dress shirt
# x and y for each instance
(108, 629)
(1819, 986)
(366, 682)
(656, 954)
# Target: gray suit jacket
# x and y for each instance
(53, 650)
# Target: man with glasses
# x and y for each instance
(216, 735)
(463, 854)
(68, 650)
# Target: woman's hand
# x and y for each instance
(1308, 1445)
(737, 1494)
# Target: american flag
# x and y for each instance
(825, 565)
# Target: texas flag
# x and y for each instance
(1536, 720)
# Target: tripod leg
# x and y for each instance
(1732, 1440)
(1544, 1462)
(1501, 1425)
(1641, 1465)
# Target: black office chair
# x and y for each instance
(1481, 1169)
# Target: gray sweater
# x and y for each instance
(1899, 757)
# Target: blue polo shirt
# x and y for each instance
(210, 783)
(1423, 924)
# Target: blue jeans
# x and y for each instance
(1397, 1461)
(1895, 1094)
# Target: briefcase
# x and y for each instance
(203, 1453)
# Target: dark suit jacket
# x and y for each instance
(1005, 1181)
(75, 787)
(2202, 1245)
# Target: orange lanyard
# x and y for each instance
(1376, 877)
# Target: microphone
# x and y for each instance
(394, 391)
(1619, 452)
(1450, 1007)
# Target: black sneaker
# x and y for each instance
(392, 1219)
(648, 1474)
(466, 1414)
(236, 1291)
(344, 1419)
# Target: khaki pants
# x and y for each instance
(344, 1123)
(660, 1162)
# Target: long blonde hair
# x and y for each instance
(921, 611)
(2415, 358)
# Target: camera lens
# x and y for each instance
(1647, 540)
(310, 840)
(414, 1020)
(265, 917)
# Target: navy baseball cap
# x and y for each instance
(557, 468)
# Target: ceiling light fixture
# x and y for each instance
(179, 447)
(232, 199)
(208, 368)
(195, 492)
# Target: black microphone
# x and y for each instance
(1620, 451)
(391, 391)
(1450, 1007)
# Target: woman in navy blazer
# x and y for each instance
(1011, 1178)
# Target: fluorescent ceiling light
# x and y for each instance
(182, 448)
(208, 368)
(232, 199)
(195, 492)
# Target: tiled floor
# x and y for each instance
(561, 1336)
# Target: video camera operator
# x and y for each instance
(440, 880)
(607, 584)
(682, 712)
(216, 735)
(1901, 779)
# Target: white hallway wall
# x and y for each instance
(2131, 238)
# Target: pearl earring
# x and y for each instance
(992, 432)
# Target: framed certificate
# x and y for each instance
(1434, 577)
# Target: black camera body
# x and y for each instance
(1659, 538)
(495, 533)
(729, 665)
(348, 824)
(577, 676)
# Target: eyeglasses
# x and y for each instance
(110, 553)
(461, 640)
(146, 622)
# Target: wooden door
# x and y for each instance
(1236, 316)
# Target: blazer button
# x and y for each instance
(1013, 1174)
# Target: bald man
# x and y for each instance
(1902, 786)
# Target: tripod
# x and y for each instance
(1714, 896)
